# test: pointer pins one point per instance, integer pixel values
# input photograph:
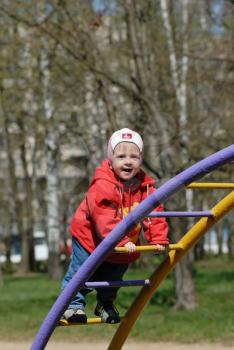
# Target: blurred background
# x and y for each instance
(71, 73)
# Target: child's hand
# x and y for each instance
(161, 248)
(130, 247)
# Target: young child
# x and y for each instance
(119, 185)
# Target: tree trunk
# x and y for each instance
(15, 217)
(230, 225)
(54, 265)
(219, 236)
(1, 277)
(231, 245)
(26, 236)
(55, 270)
(185, 291)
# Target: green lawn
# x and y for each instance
(25, 301)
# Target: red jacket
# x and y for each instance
(106, 204)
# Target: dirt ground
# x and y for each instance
(128, 346)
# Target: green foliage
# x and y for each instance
(25, 302)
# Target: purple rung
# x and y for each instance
(109, 284)
(84, 273)
(166, 214)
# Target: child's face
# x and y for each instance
(126, 160)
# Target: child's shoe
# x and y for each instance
(107, 312)
(75, 316)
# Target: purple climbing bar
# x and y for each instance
(111, 284)
(172, 214)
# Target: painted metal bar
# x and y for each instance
(187, 242)
(171, 214)
(212, 185)
(93, 320)
(84, 273)
(148, 248)
(110, 284)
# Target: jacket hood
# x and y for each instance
(104, 172)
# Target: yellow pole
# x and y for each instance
(187, 241)
(94, 320)
(148, 248)
(214, 185)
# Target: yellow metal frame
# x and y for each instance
(94, 320)
(149, 248)
(174, 256)
(214, 185)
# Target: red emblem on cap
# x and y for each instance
(126, 136)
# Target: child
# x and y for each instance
(119, 185)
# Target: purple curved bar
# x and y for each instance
(108, 244)
(107, 284)
(173, 214)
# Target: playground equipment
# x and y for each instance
(176, 251)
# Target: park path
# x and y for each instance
(128, 346)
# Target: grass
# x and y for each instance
(25, 301)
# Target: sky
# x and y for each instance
(101, 5)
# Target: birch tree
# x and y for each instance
(52, 149)
(179, 68)
(14, 134)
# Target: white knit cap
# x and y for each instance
(123, 135)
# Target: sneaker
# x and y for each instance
(75, 316)
(107, 312)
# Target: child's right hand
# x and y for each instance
(130, 247)
(161, 248)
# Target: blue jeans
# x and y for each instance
(105, 272)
